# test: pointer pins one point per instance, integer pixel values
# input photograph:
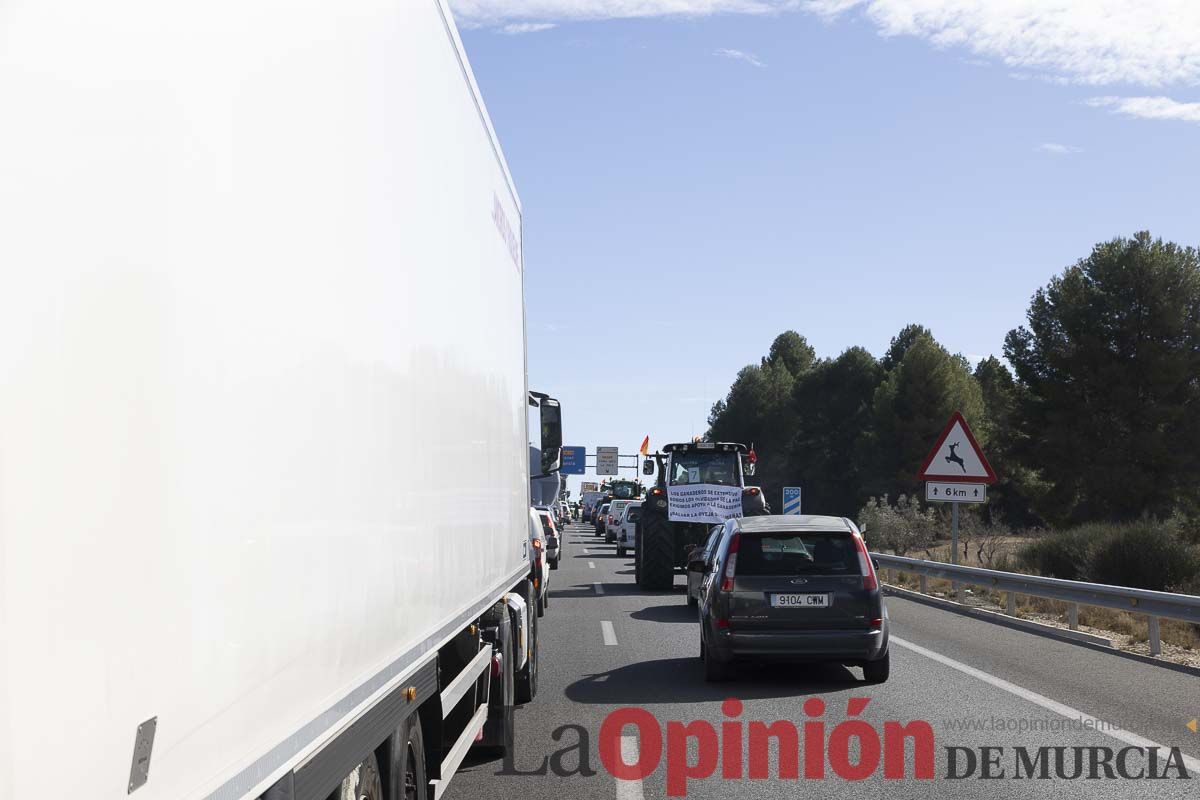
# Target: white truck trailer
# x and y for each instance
(262, 292)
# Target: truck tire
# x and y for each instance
(363, 783)
(526, 679)
(621, 551)
(657, 554)
(498, 729)
(410, 782)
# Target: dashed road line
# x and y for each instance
(598, 587)
(629, 790)
(610, 636)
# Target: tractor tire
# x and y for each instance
(656, 552)
(637, 555)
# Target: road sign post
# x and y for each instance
(791, 500)
(955, 472)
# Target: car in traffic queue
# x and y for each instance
(601, 516)
(550, 533)
(703, 553)
(627, 527)
(612, 518)
(792, 588)
(539, 562)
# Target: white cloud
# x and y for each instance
(738, 55)
(515, 28)
(496, 11)
(1143, 42)
(1149, 107)
(1054, 148)
(1149, 42)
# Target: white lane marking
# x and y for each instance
(591, 565)
(599, 589)
(585, 552)
(1132, 739)
(610, 636)
(629, 790)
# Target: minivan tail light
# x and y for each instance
(730, 563)
(870, 581)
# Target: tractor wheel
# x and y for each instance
(656, 551)
(637, 555)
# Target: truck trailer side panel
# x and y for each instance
(262, 299)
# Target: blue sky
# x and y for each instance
(694, 185)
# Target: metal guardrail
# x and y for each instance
(1154, 605)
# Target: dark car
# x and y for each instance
(703, 553)
(791, 588)
(601, 515)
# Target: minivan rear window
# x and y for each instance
(632, 514)
(785, 553)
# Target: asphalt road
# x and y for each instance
(606, 644)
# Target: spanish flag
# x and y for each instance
(645, 446)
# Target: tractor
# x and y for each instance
(666, 532)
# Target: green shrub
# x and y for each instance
(1146, 555)
(1058, 555)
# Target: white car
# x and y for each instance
(539, 564)
(627, 527)
(613, 520)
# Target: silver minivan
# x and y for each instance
(792, 588)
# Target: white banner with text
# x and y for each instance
(704, 502)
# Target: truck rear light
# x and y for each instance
(656, 491)
(731, 563)
(537, 544)
(877, 623)
(752, 491)
(723, 623)
(870, 581)
(497, 665)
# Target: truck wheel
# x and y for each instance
(526, 680)
(364, 783)
(498, 729)
(410, 781)
(657, 555)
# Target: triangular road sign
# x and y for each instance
(956, 456)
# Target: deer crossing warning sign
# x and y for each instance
(956, 456)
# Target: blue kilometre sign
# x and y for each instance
(791, 499)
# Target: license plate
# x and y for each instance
(800, 601)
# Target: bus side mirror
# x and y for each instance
(648, 467)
